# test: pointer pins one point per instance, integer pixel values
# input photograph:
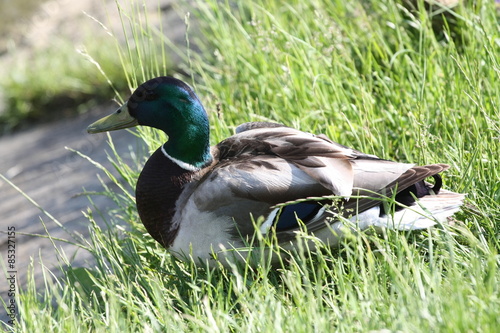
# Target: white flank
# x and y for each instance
(200, 233)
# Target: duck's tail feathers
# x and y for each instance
(425, 213)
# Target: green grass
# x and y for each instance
(62, 78)
(371, 75)
(54, 82)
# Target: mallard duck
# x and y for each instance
(201, 202)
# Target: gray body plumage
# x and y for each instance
(267, 164)
(199, 201)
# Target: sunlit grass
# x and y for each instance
(371, 76)
(67, 77)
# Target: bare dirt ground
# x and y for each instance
(37, 162)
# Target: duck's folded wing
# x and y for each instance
(250, 187)
(263, 167)
(325, 161)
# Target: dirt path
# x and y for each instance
(37, 161)
(39, 164)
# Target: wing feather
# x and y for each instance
(266, 164)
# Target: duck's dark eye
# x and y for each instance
(139, 95)
(150, 96)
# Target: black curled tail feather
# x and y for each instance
(407, 197)
(438, 183)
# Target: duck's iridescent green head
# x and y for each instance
(171, 106)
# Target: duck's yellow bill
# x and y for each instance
(119, 119)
